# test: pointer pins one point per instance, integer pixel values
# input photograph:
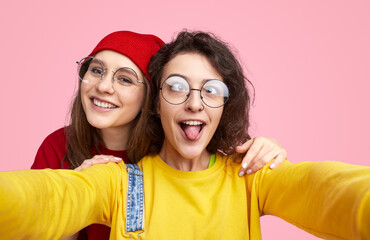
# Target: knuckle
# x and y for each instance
(258, 138)
(257, 167)
(253, 150)
(264, 160)
(247, 159)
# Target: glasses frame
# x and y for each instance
(79, 63)
(193, 89)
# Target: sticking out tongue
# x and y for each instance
(191, 131)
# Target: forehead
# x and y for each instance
(193, 66)
(114, 60)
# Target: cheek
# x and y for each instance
(140, 98)
(217, 117)
(164, 112)
(84, 88)
(134, 99)
(83, 93)
(220, 115)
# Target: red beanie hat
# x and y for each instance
(138, 47)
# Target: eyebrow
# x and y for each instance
(187, 79)
(139, 73)
(115, 69)
(177, 75)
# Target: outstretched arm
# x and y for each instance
(328, 199)
(52, 204)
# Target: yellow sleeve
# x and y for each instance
(328, 199)
(52, 204)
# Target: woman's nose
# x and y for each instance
(105, 85)
(194, 103)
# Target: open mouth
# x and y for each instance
(102, 104)
(192, 129)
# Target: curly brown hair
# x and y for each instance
(233, 127)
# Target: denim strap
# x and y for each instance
(135, 199)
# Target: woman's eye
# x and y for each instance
(211, 90)
(125, 80)
(95, 70)
(177, 87)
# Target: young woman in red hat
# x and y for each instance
(177, 191)
(114, 86)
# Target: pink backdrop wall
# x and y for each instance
(309, 62)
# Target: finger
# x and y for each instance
(245, 146)
(78, 168)
(269, 144)
(251, 154)
(260, 161)
(254, 145)
(108, 158)
(278, 160)
(85, 164)
(98, 159)
(269, 150)
(105, 159)
(254, 167)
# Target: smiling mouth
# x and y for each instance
(192, 129)
(102, 104)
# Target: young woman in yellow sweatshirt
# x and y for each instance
(113, 87)
(190, 185)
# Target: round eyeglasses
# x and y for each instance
(176, 90)
(91, 70)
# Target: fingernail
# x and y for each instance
(272, 165)
(106, 159)
(241, 174)
(244, 165)
(249, 171)
(88, 163)
(117, 158)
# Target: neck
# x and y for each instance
(115, 138)
(184, 163)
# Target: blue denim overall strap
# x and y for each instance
(135, 199)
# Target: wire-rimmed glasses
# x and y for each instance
(176, 90)
(91, 70)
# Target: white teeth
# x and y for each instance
(103, 104)
(192, 123)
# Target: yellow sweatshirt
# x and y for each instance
(328, 199)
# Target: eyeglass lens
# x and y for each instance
(176, 90)
(92, 70)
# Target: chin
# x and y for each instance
(192, 152)
(98, 124)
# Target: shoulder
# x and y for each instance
(114, 174)
(149, 161)
(57, 137)
(51, 151)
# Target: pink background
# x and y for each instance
(309, 62)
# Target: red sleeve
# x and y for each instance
(98, 232)
(52, 151)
